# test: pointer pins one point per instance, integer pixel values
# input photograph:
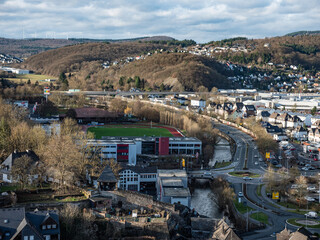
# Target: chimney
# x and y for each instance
(27, 150)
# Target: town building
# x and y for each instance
(172, 187)
(126, 149)
(138, 178)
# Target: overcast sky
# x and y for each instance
(202, 21)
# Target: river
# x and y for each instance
(202, 199)
(221, 152)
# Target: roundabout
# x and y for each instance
(300, 222)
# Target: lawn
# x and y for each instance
(129, 132)
(259, 189)
(222, 164)
(241, 207)
(260, 216)
(33, 78)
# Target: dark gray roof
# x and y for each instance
(265, 114)
(107, 175)
(16, 220)
(140, 169)
(37, 218)
(10, 219)
(13, 156)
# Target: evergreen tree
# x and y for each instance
(137, 81)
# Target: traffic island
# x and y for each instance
(301, 222)
(244, 174)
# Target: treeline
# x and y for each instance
(182, 43)
(303, 49)
(256, 57)
(228, 41)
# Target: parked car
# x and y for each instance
(255, 156)
(278, 165)
(247, 178)
(311, 215)
(311, 188)
(280, 158)
(294, 186)
(240, 194)
(207, 174)
(256, 163)
(310, 199)
(305, 168)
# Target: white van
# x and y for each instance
(311, 214)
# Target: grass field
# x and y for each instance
(33, 78)
(129, 132)
(241, 207)
(261, 217)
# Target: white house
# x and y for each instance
(198, 103)
(299, 133)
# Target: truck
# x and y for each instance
(311, 215)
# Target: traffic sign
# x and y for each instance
(267, 154)
(275, 195)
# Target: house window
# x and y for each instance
(44, 227)
(47, 237)
(25, 238)
(54, 226)
(31, 237)
(49, 226)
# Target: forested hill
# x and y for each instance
(23, 48)
(69, 58)
(296, 50)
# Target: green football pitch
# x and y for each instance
(129, 132)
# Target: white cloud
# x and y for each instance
(202, 21)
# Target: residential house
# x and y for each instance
(16, 223)
(198, 103)
(299, 133)
(283, 119)
(211, 107)
(300, 234)
(263, 116)
(237, 111)
(273, 117)
(314, 135)
(223, 231)
(249, 110)
(294, 121)
(6, 165)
